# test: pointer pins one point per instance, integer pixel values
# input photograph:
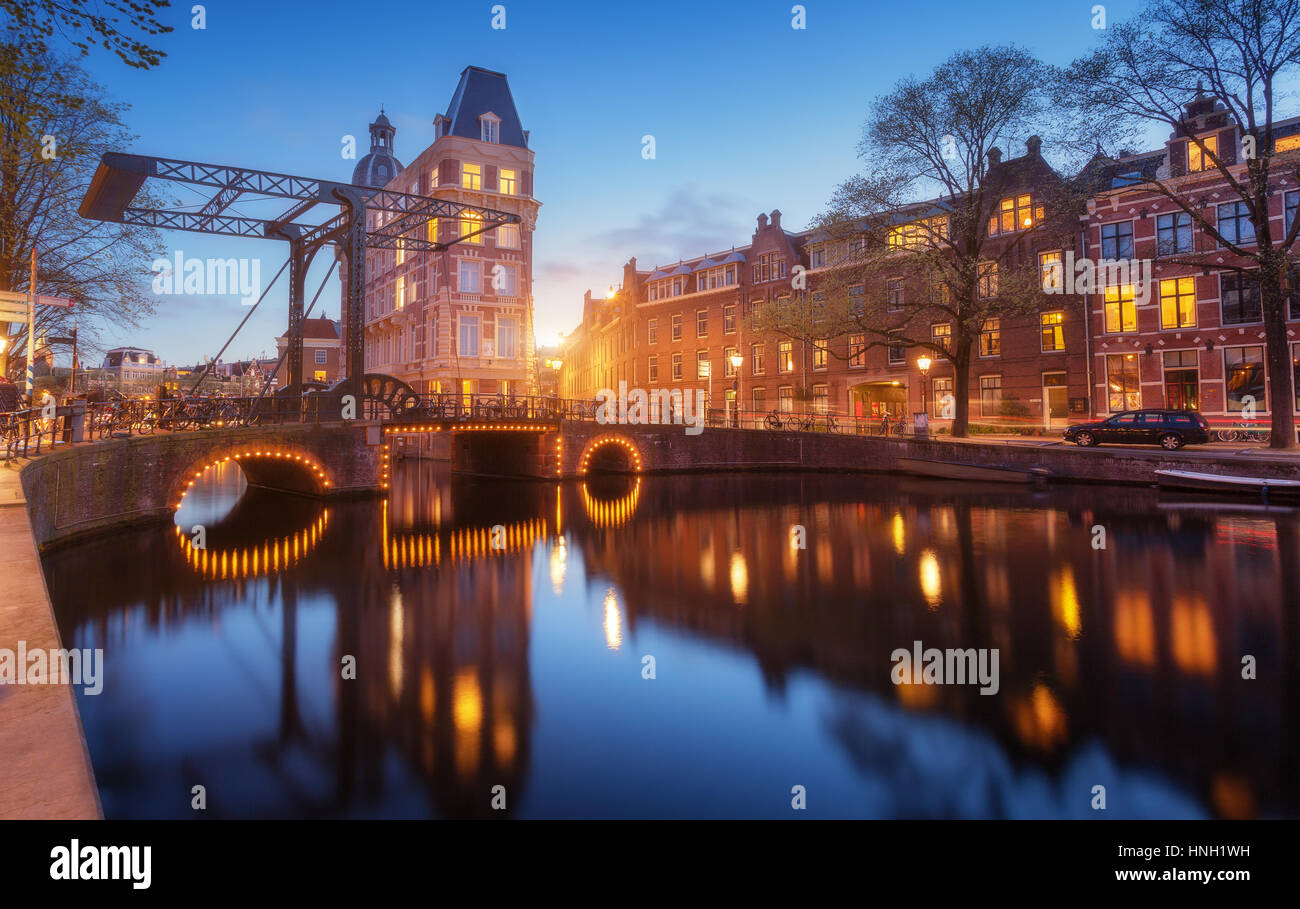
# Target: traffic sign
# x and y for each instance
(46, 300)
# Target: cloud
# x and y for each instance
(689, 223)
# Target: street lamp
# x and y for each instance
(736, 360)
(923, 364)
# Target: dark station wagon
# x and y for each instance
(1170, 429)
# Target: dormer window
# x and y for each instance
(1198, 160)
(490, 128)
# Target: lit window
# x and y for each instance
(702, 364)
(471, 175)
(1014, 213)
(785, 398)
(727, 369)
(509, 182)
(785, 357)
(1053, 328)
(757, 359)
(991, 338)
(1198, 160)
(1051, 271)
(1120, 310)
(471, 223)
(1243, 369)
(941, 334)
(820, 351)
(1178, 303)
(857, 350)
(701, 323)
(677, 367)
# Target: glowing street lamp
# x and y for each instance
(923, 364)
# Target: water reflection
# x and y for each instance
(514, 657)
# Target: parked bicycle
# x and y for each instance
(1245, 431)
(890, 426)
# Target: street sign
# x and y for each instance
(12, 297)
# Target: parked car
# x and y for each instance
(1170, 429)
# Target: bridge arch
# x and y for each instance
(272, 465)
(610, 453)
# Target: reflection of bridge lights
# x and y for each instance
(611, 514)
(931, 579)
(416, 550)
(899, 532)
(256, 454)
(598, 443)
(559, 565)
(739, 577)
(251, 561)
(613, 621)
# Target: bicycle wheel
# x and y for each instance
(771, 422)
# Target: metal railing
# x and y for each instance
(29, 432)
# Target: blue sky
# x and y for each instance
(748, 115)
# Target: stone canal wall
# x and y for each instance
(661, 449)
(87, 489)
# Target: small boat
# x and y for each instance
(1217, 482)
(959, 470)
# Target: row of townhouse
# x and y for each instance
(1193, 339)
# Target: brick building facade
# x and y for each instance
(460, 320)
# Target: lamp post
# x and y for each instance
(923, 364)
(736, 360)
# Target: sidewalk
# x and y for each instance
(47, 772)
(1244, 450)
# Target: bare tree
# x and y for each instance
(54, 125)
(909, 242)
(1237, 55)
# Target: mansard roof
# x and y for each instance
(482, 91)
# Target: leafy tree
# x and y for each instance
(32, 25)
(1239, 56)
(54, 125)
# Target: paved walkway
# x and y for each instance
(45, 770)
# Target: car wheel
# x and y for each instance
(1085, 440)
(1171, 441)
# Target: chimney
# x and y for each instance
(776, 218)
(994, 156)
(1035, 146)
(762, 221)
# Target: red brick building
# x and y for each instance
(679, 325)
(1193, 336)
(322, 353)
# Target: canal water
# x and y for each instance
(663, 647)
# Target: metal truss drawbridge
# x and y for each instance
(355, 218)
